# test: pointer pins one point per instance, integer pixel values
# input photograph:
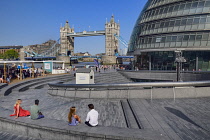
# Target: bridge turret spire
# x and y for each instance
(67, 24)
(112, 19)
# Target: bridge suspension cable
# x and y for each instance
(28, 53)
(123, 41)
(52, 50)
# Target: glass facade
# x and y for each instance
(165, 26)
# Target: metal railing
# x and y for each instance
(136, 85)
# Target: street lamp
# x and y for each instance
(69, 54)
(70, 60)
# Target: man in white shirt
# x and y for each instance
(92, 116)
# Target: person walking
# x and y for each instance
(35, 111)
(92, 116)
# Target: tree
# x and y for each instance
(1, 55)
(11, 54)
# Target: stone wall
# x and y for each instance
(150, 93)
(66, 59)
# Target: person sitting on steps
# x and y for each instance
(18, 111)
(73, 119)
(35, 111)
(92, 116)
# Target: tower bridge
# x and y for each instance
(67, 35)
(65, 49)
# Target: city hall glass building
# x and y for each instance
(166, 26)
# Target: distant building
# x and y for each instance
(40, 48)
(84, 59)
(3, 49)
(100, 54)
(82, 54)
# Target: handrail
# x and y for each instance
(127, 85)
(163, 71)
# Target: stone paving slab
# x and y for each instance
(160, 118)
(188, 118)
(9, 136)
(111, 114)
(26, 126)
(3, 85)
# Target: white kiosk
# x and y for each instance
(49, 66)
(84, 76)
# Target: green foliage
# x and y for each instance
(1, 56)
(80, 59)
(10, 54)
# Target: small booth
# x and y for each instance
(84, 76)
(50, 66)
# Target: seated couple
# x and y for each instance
(34, 113)
(91, 120)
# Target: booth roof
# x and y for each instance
(83, 70)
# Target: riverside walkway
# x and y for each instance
(119, 118)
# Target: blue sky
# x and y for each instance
(28, 22)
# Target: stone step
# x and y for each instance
(10, 136)
(150, 119)
(61, 80)
(113, 77)
(25, 87)
(129, 116)
(2, 85)
(8, 89)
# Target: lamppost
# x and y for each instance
(70, 60)
(179, 60)
(69, 54)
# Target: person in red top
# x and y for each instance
(18, 111)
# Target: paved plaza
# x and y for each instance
(173, 119)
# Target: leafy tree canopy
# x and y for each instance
(11, 54)
(1, 56)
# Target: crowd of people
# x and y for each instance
(73, 119)
(15, 73)
(104, 68)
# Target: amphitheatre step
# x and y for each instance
(112, 77)
(149, 118)
(56, 129)
(2, 85)
(151, 115)
(8, 89)
(129, 116)
(41, 85)
(12, 136)
(60, 80)
(25, 87)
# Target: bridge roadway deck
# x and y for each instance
(159, 119)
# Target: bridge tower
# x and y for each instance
(111, 42)
(67, 43)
